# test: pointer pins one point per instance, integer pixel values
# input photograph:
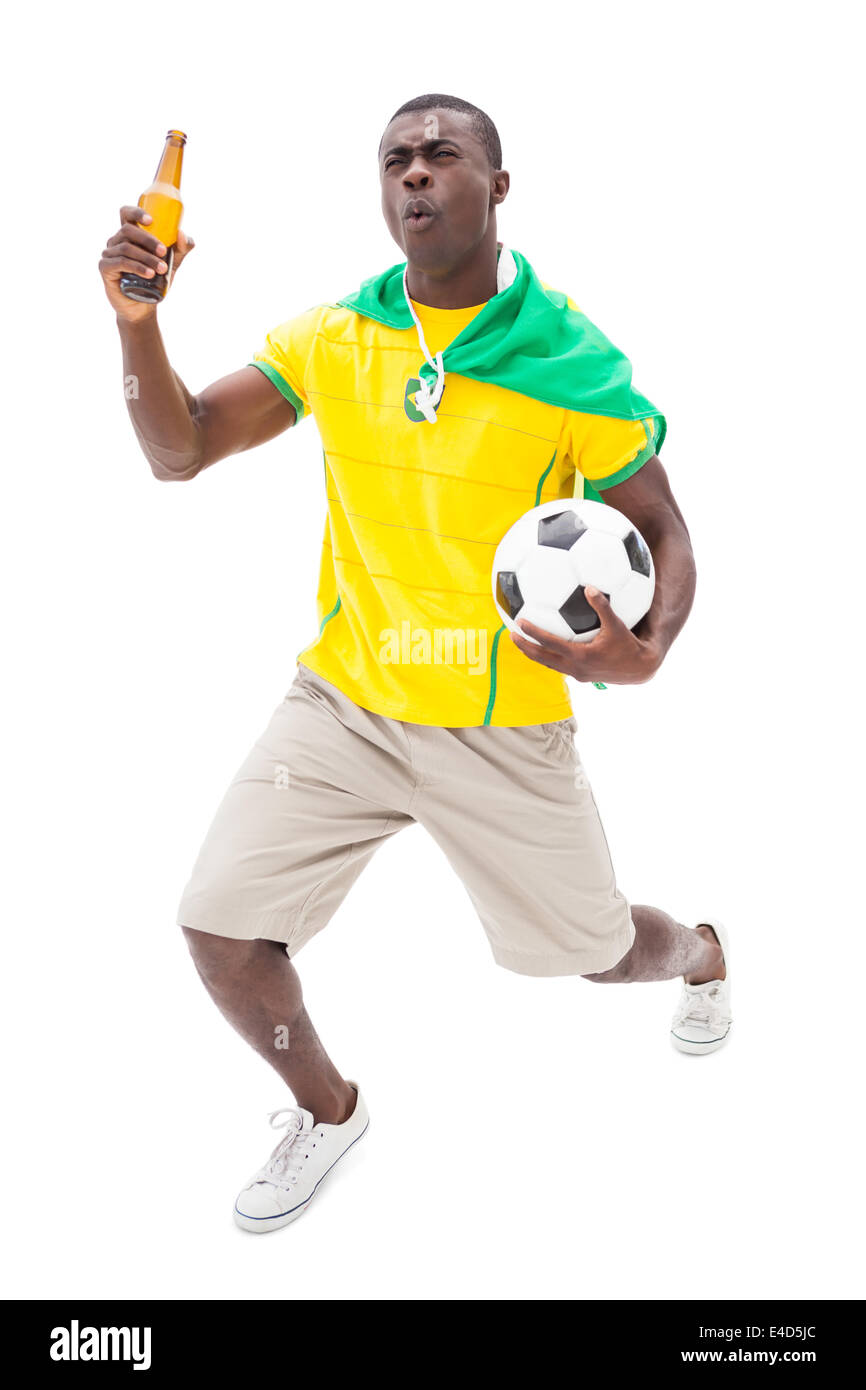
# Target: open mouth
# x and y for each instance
(419, 219)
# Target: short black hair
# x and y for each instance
(482, 126)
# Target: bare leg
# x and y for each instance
(663, 949)
(256, 987)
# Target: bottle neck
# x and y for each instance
(171, 163)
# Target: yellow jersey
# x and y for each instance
(407, 623)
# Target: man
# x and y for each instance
(452, 393)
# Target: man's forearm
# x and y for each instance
(160, 407)
(675, 580)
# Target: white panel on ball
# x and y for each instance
(546, 576)
(601, 517)
(546, 618)
(515, 546)
(633, 600)
(600, 558)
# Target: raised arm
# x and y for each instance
(179, 433)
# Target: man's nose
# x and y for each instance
(416, 174)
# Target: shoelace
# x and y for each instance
(703, 1004)
(286, 1161)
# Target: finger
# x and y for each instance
(576, 663)
(543, 656)
(564, 646)
(547, 639)
(596, 599)
(127, 250)
(121, 265)
(137, 235)
(602, 605)
(536, 650)
(131, 212)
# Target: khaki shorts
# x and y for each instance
(328, 782)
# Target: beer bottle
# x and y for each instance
(162, 201)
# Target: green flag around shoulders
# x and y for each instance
(527, 339)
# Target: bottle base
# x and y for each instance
(145, 291)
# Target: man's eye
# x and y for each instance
(395, 160)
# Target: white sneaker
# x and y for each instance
(282, 1190)
(702, 1021)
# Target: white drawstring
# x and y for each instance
(427, 398)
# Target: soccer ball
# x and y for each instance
(544, 562)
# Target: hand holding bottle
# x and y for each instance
(135, 250)
(138, 265)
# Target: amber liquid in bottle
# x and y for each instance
(162, 201)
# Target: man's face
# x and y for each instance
(435, 158)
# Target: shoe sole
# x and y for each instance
(260, 1225)
(698, 1049)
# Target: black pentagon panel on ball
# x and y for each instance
(508, 594)
(638, 555)
(560, 530)
(579, 613)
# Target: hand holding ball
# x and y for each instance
(542, 570)
(545, 562)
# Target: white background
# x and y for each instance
(688, 174)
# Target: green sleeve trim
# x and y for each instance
(282, 386)
(646, 453)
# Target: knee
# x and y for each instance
(222, 959)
